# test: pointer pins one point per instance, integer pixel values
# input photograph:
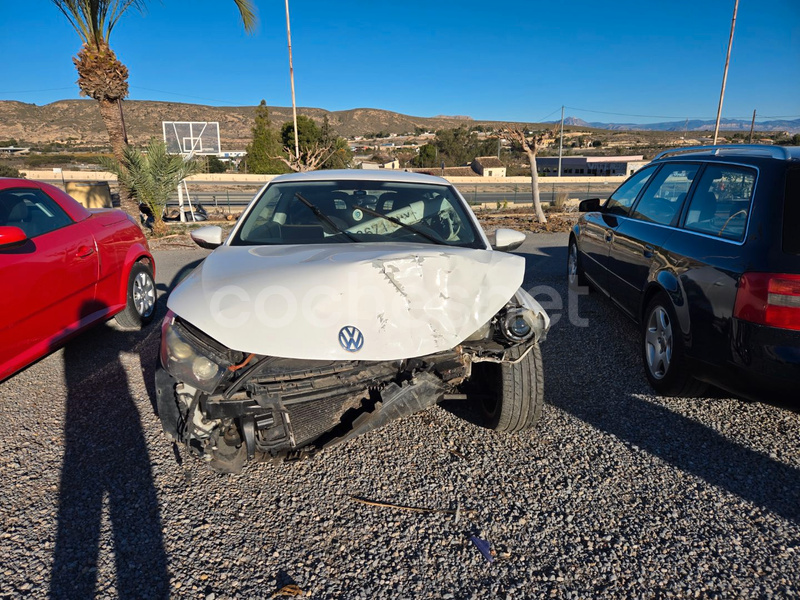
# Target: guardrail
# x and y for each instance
(235, 191)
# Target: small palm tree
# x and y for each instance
(151, 176)
(100, 74)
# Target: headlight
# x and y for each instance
(515, 325)
(186, 359)
(523, 318)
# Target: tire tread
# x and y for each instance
(522, 391)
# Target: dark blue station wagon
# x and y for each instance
(702, 248)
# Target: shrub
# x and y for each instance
(7, 171)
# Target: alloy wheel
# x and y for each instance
(658, 342)
(144, 294)
(572, 264)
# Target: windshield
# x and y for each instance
(319, 212)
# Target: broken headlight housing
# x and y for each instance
(190, 359)
(519, 321)
(522, 319)
(517, 324)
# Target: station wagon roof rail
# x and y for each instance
(777, 152)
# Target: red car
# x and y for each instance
(64, 267)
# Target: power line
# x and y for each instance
(36, 91)
(548, 116)
(226, 102)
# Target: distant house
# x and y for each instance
(488, 166)
(13, 150)
(582, 166)
(458, 172)
(463, 171)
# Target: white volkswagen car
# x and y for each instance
(342, 300)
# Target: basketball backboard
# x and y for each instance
(191, 137)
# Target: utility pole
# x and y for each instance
(752, 125)
(725, 74)
(291, 77)
(561, 141)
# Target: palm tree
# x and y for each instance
(151, 176)
(100, 74)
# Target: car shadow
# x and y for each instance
(605, 387)
(695, 449)
(107, 483)
(597, 377)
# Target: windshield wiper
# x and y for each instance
(400, 223)
(323, 217)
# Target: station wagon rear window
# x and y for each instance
(720, 204)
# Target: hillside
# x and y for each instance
(78, 121)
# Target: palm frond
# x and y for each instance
(248, 13)
(153, 175)
(95, 19)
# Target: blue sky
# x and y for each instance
(646, 60)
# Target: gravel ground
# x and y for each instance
(617, 493)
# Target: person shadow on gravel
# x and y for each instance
(106, 464)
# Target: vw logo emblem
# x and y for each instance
(350, 338)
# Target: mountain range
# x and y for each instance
(78, 122)
(792, 126)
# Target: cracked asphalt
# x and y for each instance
(617, 493)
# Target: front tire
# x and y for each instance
(141, 298)
(575, 274)
(513, 392)
(663, 352)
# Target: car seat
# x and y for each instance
(18, 215)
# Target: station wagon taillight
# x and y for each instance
(769, 299)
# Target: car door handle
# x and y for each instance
(648, 251)
(84, 251)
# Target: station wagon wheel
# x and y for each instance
(658, 342)
(141, 298)
(575, 274)
(663, 353)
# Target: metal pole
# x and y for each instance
(291, 77)
(725, 75)
(752, 124)
(561, 141)
(180, 204)
(122, 120)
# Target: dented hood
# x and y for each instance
(346, 301)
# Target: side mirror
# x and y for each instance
(590, 205)
(209, 237)
(11, 236)
(506, 240)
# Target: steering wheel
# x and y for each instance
(445, 225)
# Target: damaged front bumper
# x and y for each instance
(228, 408)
